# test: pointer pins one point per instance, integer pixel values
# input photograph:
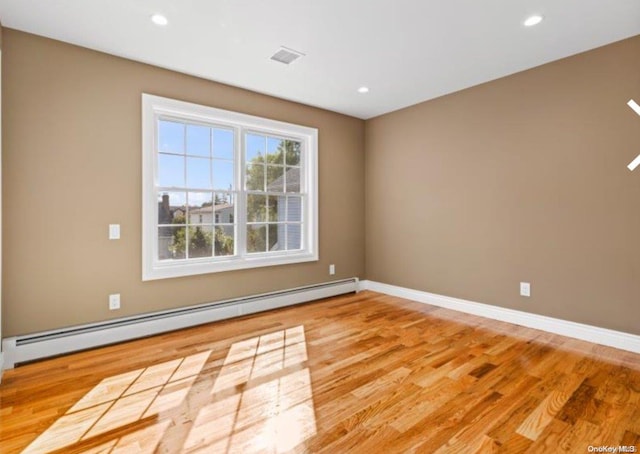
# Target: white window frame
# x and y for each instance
(155, 107)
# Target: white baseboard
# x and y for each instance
(611, 338)
(51, 343)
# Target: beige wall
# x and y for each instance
(72, 165)
(1, 358)
(520, 179)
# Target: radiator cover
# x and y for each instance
(30, 347)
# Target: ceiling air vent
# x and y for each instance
(286, 56)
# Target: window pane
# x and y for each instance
(293, 179)
(255, 177)
(223, 174)
(200, 241)
(222, 143)
(256, 238)
(256, 207)
(170, 171)
(200, 208)
(171, 243)
(172, 207)
(276, 237)
(170, 137)
(255, 148)
(198, 140)
(292, 154)
(273, 211)
(275, 150)
(294, 209)
(224, 240)
(224, 209)
(294, 236)
(275, 181)
(198, 173)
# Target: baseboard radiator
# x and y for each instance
(35, 346)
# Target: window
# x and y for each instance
(224, 190)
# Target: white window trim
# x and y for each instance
(156, 106)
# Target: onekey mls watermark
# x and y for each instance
(612, 449)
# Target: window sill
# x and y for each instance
(165, 270)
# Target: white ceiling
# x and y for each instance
(406, 51)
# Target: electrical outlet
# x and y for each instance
(114, 231)
(114, 301)
(525, 289)
(332, 269)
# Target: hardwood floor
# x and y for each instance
(358, 373)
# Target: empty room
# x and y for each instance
(338, 226)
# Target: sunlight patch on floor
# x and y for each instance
(271, 416)
(121, 400)
(261, 400)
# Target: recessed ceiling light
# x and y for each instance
(159, 19)
(363, 90)
(533, 20)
